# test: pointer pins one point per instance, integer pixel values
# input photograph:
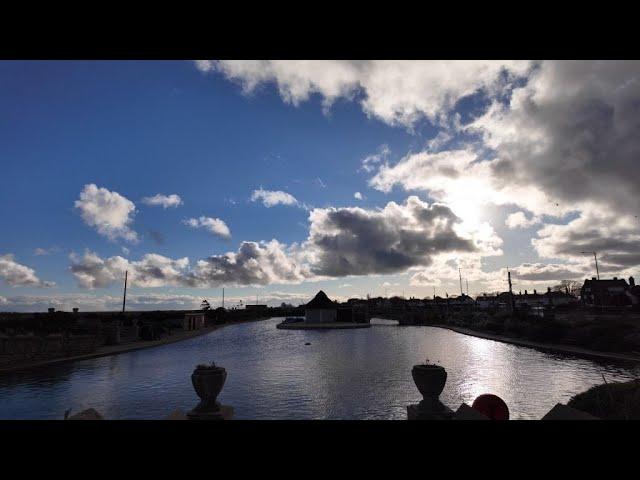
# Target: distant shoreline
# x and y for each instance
(108, 350)
(550, 347)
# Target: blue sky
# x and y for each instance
(214, 135)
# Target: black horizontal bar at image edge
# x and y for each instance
(483, 44)
(271, 440)
(311, 427)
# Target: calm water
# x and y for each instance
(272, 374)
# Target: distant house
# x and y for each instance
(462, 301)
(193, 321)
(529, 299)
(557, 299)
(605, 293)
(486, 302)
(321, 309)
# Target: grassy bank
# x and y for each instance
(619, 333)
(610, 401)
(107, 350)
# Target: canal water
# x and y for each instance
(272, 374)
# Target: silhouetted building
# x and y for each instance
(321, 309)
(605, 293)
(529, 299)
(462, 301)
(558, 299)
(487, 302)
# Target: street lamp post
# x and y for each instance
(595, 257)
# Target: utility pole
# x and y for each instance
(222, 297)
(513, 304)
(124, 297)
(595, 257)
(466, 280)
(434, 293)
(460, 274)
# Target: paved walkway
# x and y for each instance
(551, 347)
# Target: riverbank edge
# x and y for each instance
(549, 347)
(106, 351)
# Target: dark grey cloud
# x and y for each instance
(572, 131)
(354, 241)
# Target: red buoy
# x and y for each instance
(491, 406)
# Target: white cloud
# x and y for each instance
(39, 252)
(108, 212)
(398, 92)
(423, 279)
(214, 225)
(153, 270)
(370, 162)
(253, 264)
(358, 196)
(166, 201)
(519, 220)
(18, 275)
(270, 198)
(460, 179)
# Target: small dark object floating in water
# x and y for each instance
(307, 343)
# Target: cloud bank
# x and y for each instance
(396, 92)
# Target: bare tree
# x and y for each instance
(571, 286)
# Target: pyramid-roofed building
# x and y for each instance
(321, 309)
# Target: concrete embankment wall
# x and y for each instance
(19, 349)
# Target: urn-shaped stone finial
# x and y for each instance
(430, 380)
(208, 381)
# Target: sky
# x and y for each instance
(275, 179)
